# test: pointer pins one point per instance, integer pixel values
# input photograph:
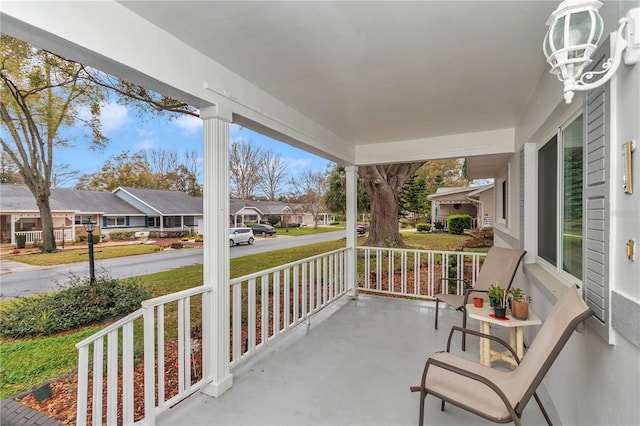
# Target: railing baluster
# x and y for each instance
(127, 373)
(236, 292)
(296, 293)
(287, 298)
(83, 386)
(276, 304)
(252, 315)
(98, 376)
(112, 378)
(160, 381)
(181, 346)
(264, 308)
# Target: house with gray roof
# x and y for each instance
(19, 213)
(476, 201)
(123, 209)
(258, 211)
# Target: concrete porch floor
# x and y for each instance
(352, 366)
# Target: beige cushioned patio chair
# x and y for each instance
(499, 266)
(501, 396)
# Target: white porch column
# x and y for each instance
(352, 218)
(13, 230)
(216, 246)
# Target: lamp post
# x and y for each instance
(89, 227)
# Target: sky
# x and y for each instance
(127, 132)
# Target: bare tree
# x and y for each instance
(245, 162)
(62, 175)
(161, 161)
(274, 173)
(309, 189)
(41, 94)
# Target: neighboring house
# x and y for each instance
(387, 83)
(19, 213)
(163, 210)
(257, 211)
(124, 209)
(476, 201)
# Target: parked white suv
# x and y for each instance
(240, 235)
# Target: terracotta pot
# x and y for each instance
(520, 309)
(478, 302)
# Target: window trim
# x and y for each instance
(124, 221)
(557, 270)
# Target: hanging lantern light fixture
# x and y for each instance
(575, 28)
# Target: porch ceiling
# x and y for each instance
(355, 82)
(375, 72)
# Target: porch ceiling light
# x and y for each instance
(574, 31)
(89, 226)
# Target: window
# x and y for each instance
(154, 222)
(79, 220)
(560, 165)
(116, 221)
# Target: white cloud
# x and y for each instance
(145, 145)
(296, 164)
(188, 124)
(113, 117)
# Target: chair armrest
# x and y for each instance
(484, 336)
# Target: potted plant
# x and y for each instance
(500, 307)
(519, 304)
(494, 293)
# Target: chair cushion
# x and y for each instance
(475, 396)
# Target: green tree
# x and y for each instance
(157, 169)
(336, 196)
(413, 197)
(41, 95)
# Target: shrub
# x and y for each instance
(96, 239)
(80, 304)
(273, 219)
(457, 223)
(37, 243)
(199, 240)
(21, 241)
(168, 234)
(177, 245)
(123, 236)
(423, 227)
(82, 238)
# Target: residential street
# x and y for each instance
(17, 279)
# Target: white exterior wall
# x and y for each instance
(604, 379)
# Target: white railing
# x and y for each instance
(174, 355)
(264, 305)
(415, 273)
(269, 303)
(33, 236)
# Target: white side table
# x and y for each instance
(515, 333)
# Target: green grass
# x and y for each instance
(26, 363)
(307, 230)
(81, 255)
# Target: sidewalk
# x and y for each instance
(15, 414)
(9, 266)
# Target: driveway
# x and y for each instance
(19, 280)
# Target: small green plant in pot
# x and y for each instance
(499, 296)
(494, 293)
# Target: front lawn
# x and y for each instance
(82, 255)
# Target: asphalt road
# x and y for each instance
(23, 280)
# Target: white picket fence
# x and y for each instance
(33, 236)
